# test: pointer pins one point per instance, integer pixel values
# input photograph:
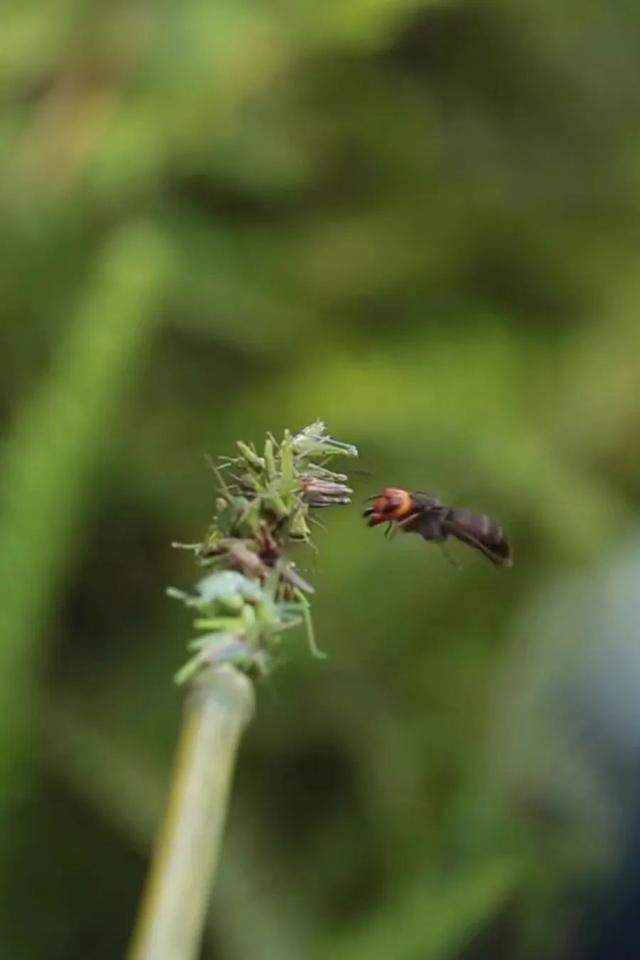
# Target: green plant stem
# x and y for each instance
(218, 707)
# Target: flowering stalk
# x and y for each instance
(253, 592)
(250, 595)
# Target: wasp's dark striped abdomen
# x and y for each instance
(481, 531)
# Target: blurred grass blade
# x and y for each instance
(434, 919)
(46, 468)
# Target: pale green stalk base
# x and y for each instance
(218, 707)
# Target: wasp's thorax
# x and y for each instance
(392, 504)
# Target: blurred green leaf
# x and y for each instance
(435, 919)
(50, 459)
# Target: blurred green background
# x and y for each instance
(420, 223)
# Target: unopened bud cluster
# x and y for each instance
(252, 592)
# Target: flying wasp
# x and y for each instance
(424, 514)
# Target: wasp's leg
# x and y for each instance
(448, 557)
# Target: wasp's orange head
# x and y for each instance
(392, 504)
